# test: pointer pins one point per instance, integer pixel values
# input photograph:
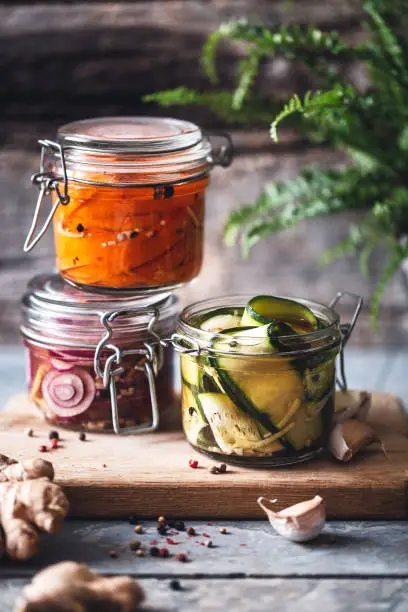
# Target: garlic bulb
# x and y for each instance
(348, 438)
(299, 523)
(351, 405)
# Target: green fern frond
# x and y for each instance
(388, 40)
(248, 70)
(344, 248)
(254, 110)
(397, 255)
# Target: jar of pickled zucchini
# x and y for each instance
(258, 377)
(98, 363)
(127, 201)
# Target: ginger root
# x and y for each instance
(30, 469)
(69, 587)
(28, 501)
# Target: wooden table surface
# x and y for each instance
(353, 566)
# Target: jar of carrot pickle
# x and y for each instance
(99, 363)
(127, 201)
(258, 376)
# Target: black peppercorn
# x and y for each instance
(53, 435)
(82, 436)
(191, 411)
(134, 234)
(175, 585)
(179, 525)
(162, 529)
(80, 227)
(154, 551)
(133, 520)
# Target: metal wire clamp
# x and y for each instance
(346, 331)
(152, 356)
(47, 182)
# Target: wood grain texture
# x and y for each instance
(112, 477)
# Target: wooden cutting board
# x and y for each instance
(148, 475)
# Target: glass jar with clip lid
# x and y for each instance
(98, 362)
(258, 376)
(127, 201)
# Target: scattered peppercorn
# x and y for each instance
(223, 468)
(161, 519)
(29, 433)
(162, 529)
(53, 435)
(140, 553)
(175, 585)
(138, 529)
(208, 544)
(133, 520)
(134, 544)
(82, 436)
(170, 541)
(54, 443)
(154, 551)
(113, 554)
(191, 410)
(205, 535)
(193, 463)
(179, 525)
(80, 227)
(134, 234)
(181, 557)
(191, 531)
(42, 448)
(223, 530)
(214, 470)
(164, 553)
(104, 465)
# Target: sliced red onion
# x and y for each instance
(68, 394)
(61, 366)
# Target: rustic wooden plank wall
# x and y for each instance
(61, 61)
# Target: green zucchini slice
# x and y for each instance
(319, 381)
(190, 370)
(192, 415)
(264, 309)
(232, 428)
(219, 322)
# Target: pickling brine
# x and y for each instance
(258, 381)
(131, 237)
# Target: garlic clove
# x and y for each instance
(300, 523)
(351, 405)
(350, 437)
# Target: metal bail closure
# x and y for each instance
(346, 331)
(47, 182)
(153, 362)
(223, 155)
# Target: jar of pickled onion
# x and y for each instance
(127, 201)
(99, 363)
(258, 377)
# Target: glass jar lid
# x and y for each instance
(131, 134)
(54, 312)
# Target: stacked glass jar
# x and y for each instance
(258, 375)
(128, 214)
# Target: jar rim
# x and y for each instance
(320, 339)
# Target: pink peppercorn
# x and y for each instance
(54, 442)
(42, 448)
(193, 463)
(181, 557)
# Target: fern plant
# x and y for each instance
(370, 125)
